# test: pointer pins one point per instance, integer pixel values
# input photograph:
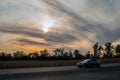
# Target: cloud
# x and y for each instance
(37, 33)
(79, 22)
(106, 8)
(21, 30)
(60, 37)
(31, 42)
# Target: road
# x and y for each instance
(105, 72)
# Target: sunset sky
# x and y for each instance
(32, 25)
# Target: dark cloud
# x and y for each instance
(31, 42)
(63, 38)
(109, 35)
(21, 30)
(37, 33)
(107, 6)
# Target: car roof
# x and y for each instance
(95, 59)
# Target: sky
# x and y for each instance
(33, 25)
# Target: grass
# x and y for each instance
(33, 64)
(114, 60)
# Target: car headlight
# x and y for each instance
(78, 63)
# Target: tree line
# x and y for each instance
(100, 51)
(106, 51)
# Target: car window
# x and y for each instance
(93, 60)
(85, 60)
(90, 60)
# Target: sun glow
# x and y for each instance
(47, 23)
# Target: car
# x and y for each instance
(89, 63)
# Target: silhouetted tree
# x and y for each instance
(113, 53)
(34, 55)
(44, 53)
(117, 50)
(18, 55)
(59, 52)
(70, 54)
(66, 55)
(108, 49)
(100, 49)
(8, 57)
(2, 56)
(95, 48)
(88, 55)
(77, 54)
(62, 51)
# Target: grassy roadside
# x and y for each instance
(33, 64)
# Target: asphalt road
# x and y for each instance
(105, 72)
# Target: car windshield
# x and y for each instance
(85, 61)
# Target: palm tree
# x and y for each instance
(59, 52)
(44, 53)
(117, 50)
(95, 48)
(108, 49)
(100, 49)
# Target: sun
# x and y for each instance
(47, 23)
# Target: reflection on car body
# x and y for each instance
(89, 63)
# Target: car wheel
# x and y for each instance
(85, 66)
(79, 66)
(97, 66)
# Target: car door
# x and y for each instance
(92, 62)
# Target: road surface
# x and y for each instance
(105, 72)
